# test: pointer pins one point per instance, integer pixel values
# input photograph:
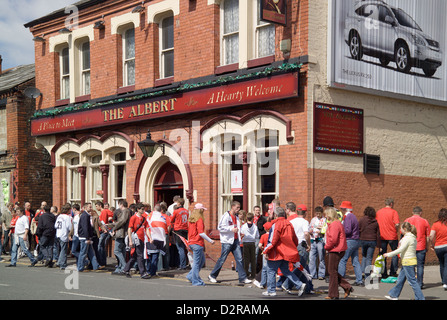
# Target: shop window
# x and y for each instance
(73, 180)
(266, 176)
(129, 57)
(94, 178)
(230, 163)
(64, 74)
(230, 31)
(261, 147)
(167, 47)
(118, 178)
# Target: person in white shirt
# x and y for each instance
(229, 228)
(63, 226)
(250, 235)
(74, 237)
(20, 237)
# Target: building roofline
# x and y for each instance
(61, 12)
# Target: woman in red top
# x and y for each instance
(438, 239)
(336, 245)
(196, 236)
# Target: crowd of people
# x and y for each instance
(277, 249)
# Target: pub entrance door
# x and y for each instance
(168, 183)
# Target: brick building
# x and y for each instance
(25, 170)
(226, 96)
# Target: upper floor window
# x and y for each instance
(129, 57)
(230, 31)
(167, 47)
(65, 74)
(85, 68)
(264, 36)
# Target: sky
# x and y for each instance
(16, 41)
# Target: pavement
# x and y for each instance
(433, 289)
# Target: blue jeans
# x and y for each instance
(102, 254)
(15, 248)
(317, 249)
(198, 262)
(441, 253)
(420, 256)
(181, 247)
(368, 248)
(62, 259)
(264, 272)
(120, 254)
(87, 251)
(353, 253)
(235, 249)
(152, 263)
(407, 273)
(283, 265)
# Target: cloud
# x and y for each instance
(16, 44)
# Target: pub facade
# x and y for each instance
(245, 101)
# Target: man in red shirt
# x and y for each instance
(137, 226)
(388, 220)
(179, 221)
(423, 237)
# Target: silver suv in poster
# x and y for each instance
(379, 30)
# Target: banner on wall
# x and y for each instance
(338, 130)
(395, 46)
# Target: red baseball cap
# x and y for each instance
(302, 207)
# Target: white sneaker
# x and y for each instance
(285, 289)
(270, 294)
(213, 280)
(444, 286)
(391, 298)
(301, 290)
(257, 284)
(246, 281)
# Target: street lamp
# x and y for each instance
(148, 146)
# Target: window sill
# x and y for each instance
(260, 61)
(125, 89)
(83, 98)
(164, 82)
(227, 69)
(63, 102)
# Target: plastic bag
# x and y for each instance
(378, 267)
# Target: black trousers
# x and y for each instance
(137, 256)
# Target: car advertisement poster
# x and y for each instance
(395, 46)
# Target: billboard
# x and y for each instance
(395, 46)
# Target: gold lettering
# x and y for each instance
(164, 106)
(133, 113)
(156, 108)
(148, 108)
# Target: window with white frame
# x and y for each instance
(84, 68)
(262, 147)
(118, 177)
(167, 47)
(230, 31)
(264, 35)
(265, 172)
(230, 156)
(73, 180)
(65, 73)
(129, 57)
(94, 178)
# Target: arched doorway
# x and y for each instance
(168, 183)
